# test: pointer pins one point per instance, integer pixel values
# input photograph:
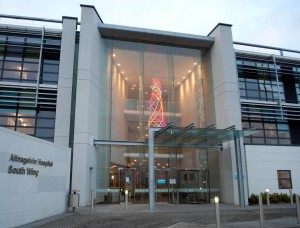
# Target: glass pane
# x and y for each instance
(271, 141)
(26, 122)
(11, 74)
(44, 132)
(283, 134)
(26, 113)
(258, 140)
(284, 174)
(13, 56)
(43, 113)
(8, 111)
(45, 123)
(50, 68)
(30, 67)
(50, 77)
(25, 130)
(29, 76)
(285, 141)
(271, 134)
(7, 121)
(284, 184)
(13, 65)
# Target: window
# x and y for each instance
(268, 131)
(284, 179)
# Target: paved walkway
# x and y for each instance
(172, 216)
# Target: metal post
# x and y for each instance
(239, 168)
(217, 212)
(298, 209)
(268, 197)
(126, 200)
(151, 167)
(291, 196)
(261, 211)
(92, 201)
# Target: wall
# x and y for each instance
(87, 105)
(65, 81)
(223, 98)
(26, 198)
(263, 162)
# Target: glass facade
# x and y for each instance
(269, 90)
(139, 80)
(28, 88)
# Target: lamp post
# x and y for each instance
(268, 197)
(217, 211)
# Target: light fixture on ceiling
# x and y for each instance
(114, 55)
(195, 63)
(189, 71)
(119, 64)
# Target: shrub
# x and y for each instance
(274, 198)
(284, 198)
(253, 199)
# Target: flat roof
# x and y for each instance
(155, 36)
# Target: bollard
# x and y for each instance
(298, 209)
(268, 197)
(217, 212)
(291, 196)
(126, 199)
(173, 200)
(261, 211)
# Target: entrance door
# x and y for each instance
(127, 181)
(162, 190)
(193, 186)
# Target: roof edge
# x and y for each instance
(223, 24)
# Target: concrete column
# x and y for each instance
(65, 80)
(225, 103)
(87, 104)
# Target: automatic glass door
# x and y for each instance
(127, 181)
(193, 186)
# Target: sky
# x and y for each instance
(266, 22)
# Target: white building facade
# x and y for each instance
(98, 88)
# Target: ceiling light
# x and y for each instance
(178, 83)
(195, 63)
(126, 78)
(122, 72)
(118, 64)
(134, 85)
(183, 77)
(146, 92)
(114, 55)
(189, 71)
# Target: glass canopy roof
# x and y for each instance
(188, 137)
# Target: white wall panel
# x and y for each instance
(26, 198)
(264, 161)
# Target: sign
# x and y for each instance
(27, 161)
(161, 181)
(172, 181)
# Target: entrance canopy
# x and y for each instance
(188, 137)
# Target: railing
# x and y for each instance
(132, 104)
(240, 46)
